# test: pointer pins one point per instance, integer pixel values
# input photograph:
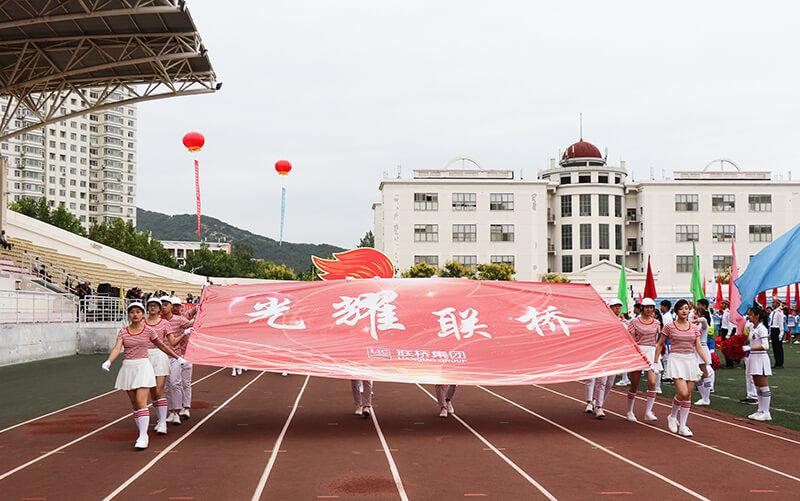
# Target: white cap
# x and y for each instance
(165, 299)
(136, 304)
(153, 299)
(648, 302)
(175, 300)
(615, 302)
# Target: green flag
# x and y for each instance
(696, 286)
(622, 292)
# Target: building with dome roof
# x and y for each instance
(584, 218)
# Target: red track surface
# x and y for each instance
(542, 446)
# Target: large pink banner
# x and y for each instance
(419, 330)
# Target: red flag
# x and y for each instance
(762, 299)
(640, 298)
(797, 296)
(462, 332)
(650, 284)
(704, 286)
(774, 292)
(718, 304)
(788, 296)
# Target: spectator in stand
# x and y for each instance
(4, 240)
(36, 267)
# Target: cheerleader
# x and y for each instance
(362, 396)
(702, 320)
(603, 385)
(759, 366)
(179, 382)
(136, 376)
(160, 362)
(682, 365)
(444, 395)
(645, 329)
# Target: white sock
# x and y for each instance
(658, 381)
(651, 399)
(712, 375)
(160, 406)
(764, 397)
(684, 412)
(142, 418)
(705, 389)
(676, 406)
(631, 400)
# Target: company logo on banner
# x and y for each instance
(432, 330)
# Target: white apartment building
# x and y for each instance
(87, 163)
(583, 217)
(179, 249)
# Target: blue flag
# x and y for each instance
(777, 264)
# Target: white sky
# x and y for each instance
(347, 90)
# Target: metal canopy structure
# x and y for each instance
(53, 51)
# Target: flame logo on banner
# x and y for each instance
(364, 262)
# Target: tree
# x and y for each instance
(454, 269)
(123, 236)
(419, 270)
(495, 271)
(557, 278)
(40, 209)
(368, 240)
(274, 271)
(64, 219)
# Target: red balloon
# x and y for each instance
(194, 141)
(283, 167)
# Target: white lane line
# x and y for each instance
(262, 482)
(62, 447)
(717, 419)
(395, 473)
(56, 412)
(600, 447)
(715, 449)
(496, 451)
(178, 441)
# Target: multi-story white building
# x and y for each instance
(87, 163)
(179, 249)
(584, 218)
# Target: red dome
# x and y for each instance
(582, 149)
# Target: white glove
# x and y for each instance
(745, 348)
(182, 361)
(188, 331)
(654, 367)
(106, 365)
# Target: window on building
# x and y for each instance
(723, 232)
(617, 205)
(501, 201)
(586, 236)
(602, 235)
(585, 204)
(686, 203)
(687, 233)
(426, 232)
(464, 201)
(566, 264)
(723, 203)
(722, 263)
(617, 180)
(602, 204)
(586, 260)
(465, 233)
(502, 259)
(501, 232)
(605, 257)
(618, 260)
(431, 260)
(584, 178)
(566, 237)
(618, 236)
(426, 201)
(566, 205)
(684, 264)
(566, 179)
(760, 203)
(468, 261)
(761, 233)
(602, 178)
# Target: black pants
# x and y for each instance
(777, 346)
(723, 333)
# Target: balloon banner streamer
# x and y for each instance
(197, 192)
(283, 213)
(194, 142)
(421, 330)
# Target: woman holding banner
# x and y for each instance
(645, 330)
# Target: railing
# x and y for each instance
(102, 309)
(51, 273)
(33, 307)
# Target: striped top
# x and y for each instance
(162, 329)
(681, 341)
(644, 334)
(136, 345)
(178, 324)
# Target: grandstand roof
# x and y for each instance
(51, 52)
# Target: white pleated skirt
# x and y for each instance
(759, 364)
(135, 373)
(650, 353)
(683, 366)
(160, 361)
(708, 355)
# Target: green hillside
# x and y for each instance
(184, 227)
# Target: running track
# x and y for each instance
(263, 436)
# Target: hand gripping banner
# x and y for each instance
(425, 330)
